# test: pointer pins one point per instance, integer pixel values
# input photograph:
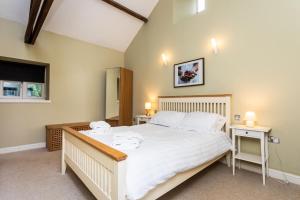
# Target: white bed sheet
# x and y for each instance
(164, 153)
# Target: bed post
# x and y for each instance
(119, 181)
(228, 159)
(63, 162)
(228, 123)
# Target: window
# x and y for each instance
(200, 6)
(21, 90)
(11, 89)
(23, 80)
(33, 90)
(185, 9)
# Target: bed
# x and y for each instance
(105, 170)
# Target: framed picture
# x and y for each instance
(190, 73)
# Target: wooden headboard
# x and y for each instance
(217, 103)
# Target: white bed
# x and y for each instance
(167, 157)
(169, 151)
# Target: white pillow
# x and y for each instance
(167, 118)
(202, 121)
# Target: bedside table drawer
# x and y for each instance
(246, 133)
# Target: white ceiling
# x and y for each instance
(92, 21)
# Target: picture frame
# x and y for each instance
(189, 73)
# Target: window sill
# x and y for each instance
(24, 101)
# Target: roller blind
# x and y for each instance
(14, 71)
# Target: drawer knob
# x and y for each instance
(246, 132)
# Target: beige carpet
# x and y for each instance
(34, 175)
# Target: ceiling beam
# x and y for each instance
(127, 10)
(39, 21)
(34, 8)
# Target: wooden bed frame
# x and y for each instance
(103, 169)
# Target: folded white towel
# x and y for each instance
(127, 140)
(96, 132)
(100, 125)
(124, 147)
(128, 135)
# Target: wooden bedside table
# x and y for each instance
(257, 132)
(140, 119)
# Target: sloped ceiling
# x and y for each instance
(93, 21)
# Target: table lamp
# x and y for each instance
(250, 119)
(148, 108)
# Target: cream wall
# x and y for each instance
(258, 63)
(77, 83)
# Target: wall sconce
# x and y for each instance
(148, 107)
(250, 119)
(165, 59)
(214, 45)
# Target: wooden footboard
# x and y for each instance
(101, 168)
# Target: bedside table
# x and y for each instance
(142, 119)
(257, 132)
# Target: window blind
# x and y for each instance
(14, 71)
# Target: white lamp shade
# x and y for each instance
(148, 105)
(250, 116)
(250, 119)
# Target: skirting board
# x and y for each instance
(291, 178)
(22, 148)
(277, 174)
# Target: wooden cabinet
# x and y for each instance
(113, 121)
(54, 133)
(119, 86)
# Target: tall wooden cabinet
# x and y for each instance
(119, 91)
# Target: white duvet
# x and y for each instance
(164, 153)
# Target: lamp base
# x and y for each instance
(147, 112)
(250, 124)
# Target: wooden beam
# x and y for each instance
(127, 10)
(40, 20)
(34, 8)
